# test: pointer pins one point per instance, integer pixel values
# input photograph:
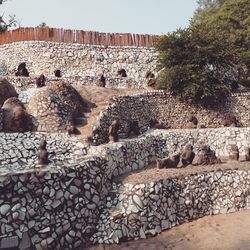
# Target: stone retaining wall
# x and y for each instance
(162, 106)
(59, 206)
(143, 150)
(142, 210)
(78, 59)
(25, 83)
(128, 155)
(19, 151)
(219, 139)
(52, 209)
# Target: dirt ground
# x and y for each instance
(97, 99)
(217, 232)
(152, 174)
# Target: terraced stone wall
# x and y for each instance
(24, 83)
(163, 107)
(19, 151)
(126, 156)
(52, 209)
(219, 139)
(59, 206)
(160, 143)
(78, 59)
(140, 210)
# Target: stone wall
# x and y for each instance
(78, 59)
(59, 206)
(161, 143)
(25, 83)
(219, 139)
(1, 120)
(128, 155)
(19, 151)
(140, 210)
(52, 209)
(170, 112)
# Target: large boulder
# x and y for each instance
(15, 118)
(69, 97)
(7, 90)
(54, 108)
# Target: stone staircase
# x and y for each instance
(86, 123)
(98, 99)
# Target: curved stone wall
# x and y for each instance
(59, 206)
(142, 210)
(141, 151)
(78, 59)
(170, 112)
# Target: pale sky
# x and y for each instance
(124, 16)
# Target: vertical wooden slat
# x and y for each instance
(77, 36)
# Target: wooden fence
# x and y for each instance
(77, 36)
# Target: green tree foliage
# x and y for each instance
(230, 19)
(189, 59)
(4, 26)
(195, 62)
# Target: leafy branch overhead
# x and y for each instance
(203, 63)
(5, 25)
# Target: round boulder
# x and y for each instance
(7, 90)
(15, 117)
(69, 97)
(54, 108)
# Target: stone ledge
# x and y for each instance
(19, 151)
(25, 83)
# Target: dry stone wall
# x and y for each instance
(128, 155)
(59, 206)
(136, 153)
(25, 83)
(19, 151)
(219, 139)
(142, 210)
(172, 113)
(52, 209)
(78, 59)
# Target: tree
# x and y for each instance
(202, 63)
(204, 4)
(230, 19)
(191, 60)
(4, 26)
